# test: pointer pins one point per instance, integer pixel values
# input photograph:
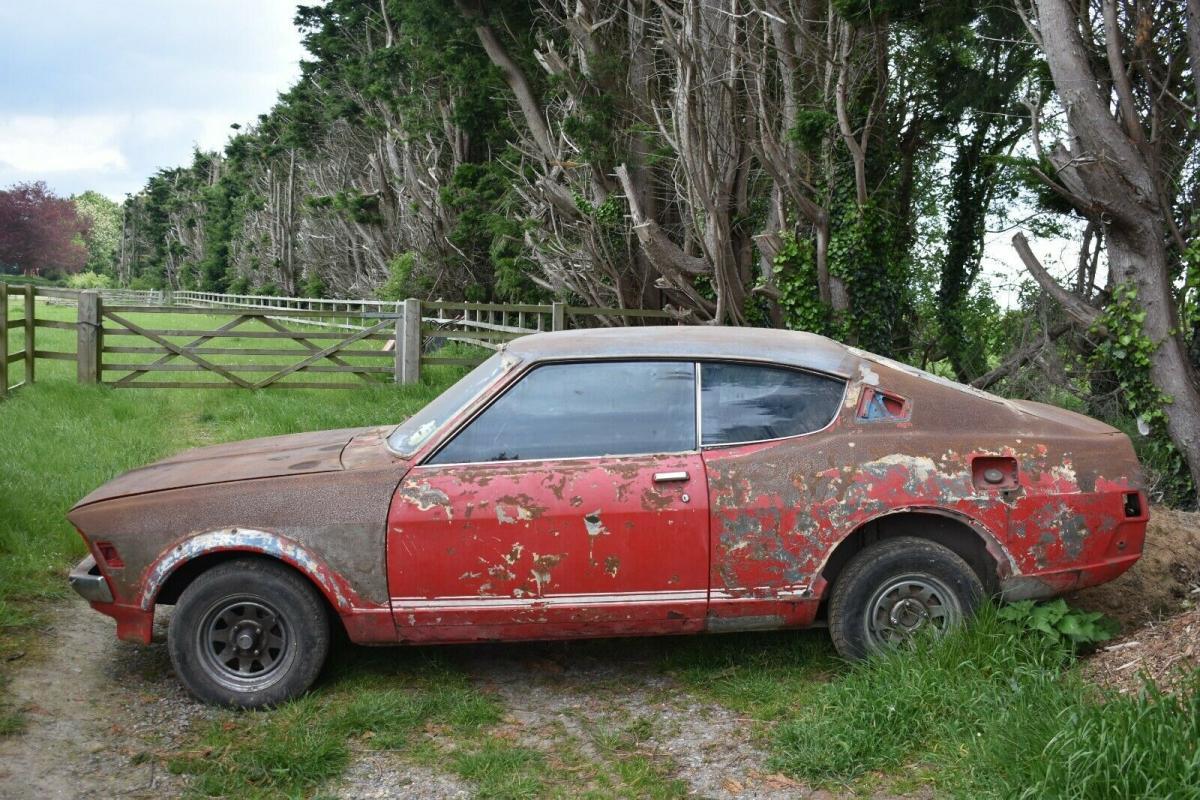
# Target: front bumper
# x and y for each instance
(89, 583)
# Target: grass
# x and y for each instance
(764, 676)
(988, 711)
(420, 705)
(22, 279)
(378, 700)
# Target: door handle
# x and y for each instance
(670, 477)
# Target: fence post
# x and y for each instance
(168, 297)
(3, 339)
(558, 316)
(30, 344)
(408, 343)
(88, 337)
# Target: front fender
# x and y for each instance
(335, 588)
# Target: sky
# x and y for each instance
(99, 94)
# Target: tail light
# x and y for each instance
(1134, 506)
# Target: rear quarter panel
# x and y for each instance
(784, 506)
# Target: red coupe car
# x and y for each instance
(613, 483)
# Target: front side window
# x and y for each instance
(751, 403)
(600, 408)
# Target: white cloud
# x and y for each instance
(46, 145)
(102, 95)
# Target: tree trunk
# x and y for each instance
(1115, 185)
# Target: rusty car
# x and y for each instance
(615, 482)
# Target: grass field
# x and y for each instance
(989, 712)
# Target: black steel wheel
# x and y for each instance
(249, 633)
(244, 642)
(895, 588)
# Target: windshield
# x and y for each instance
(417, 429)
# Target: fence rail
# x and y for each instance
(368, 341)
(69, 297)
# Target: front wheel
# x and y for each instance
(895, 588)
(248, 633)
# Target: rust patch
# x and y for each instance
(514, 508)
(514, 555)
(425, 497)
(655, 501)
(556, 487)
(541, 569)
(519, 514)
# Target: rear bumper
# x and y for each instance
(89, 583)
(1053, 584)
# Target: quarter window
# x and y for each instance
(586, 409)
(750, 403)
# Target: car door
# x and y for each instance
(761, 437)
(574, 504)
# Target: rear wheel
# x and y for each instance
(249, 633)
(895, 588)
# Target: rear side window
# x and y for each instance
(750, 403)
(579, 410)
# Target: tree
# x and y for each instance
(1128, 167)
(103, 237)
(40, 233)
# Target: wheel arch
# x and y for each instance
(176, 568)
(965, 536)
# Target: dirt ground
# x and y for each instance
(1165, 580)
(1166, 651)
(101, 715)
(93, 707)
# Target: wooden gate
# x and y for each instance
(234, 351)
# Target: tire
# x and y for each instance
(896, 587)
(249, 633)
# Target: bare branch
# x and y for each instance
(1071, 303)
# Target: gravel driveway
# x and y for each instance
(102, 716)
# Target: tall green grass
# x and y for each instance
(988, 711)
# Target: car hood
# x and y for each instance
(274, 456)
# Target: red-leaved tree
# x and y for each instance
(40, 233)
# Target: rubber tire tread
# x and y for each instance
(879, 563)
(289, 592)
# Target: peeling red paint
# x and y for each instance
(592, 551)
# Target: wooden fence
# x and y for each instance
(26, 323)
(120, 343)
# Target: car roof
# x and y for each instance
(790, 348)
